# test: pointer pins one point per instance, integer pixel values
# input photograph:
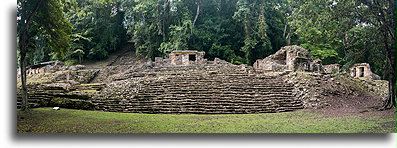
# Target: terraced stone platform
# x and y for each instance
(199, 90)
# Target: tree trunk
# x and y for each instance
(391, 101)
(287, 36)
(393, 60)
(26, 19)
(22, 62)
(197, 13)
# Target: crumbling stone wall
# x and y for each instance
(160, 62)
(53, 68)
(317, 65)
(293, 58)
(40, 70)
(331, 68)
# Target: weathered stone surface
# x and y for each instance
(208, 89)
(333, 68)
(76, 67)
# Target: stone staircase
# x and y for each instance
(202, 90)
(40, 97)
(50, 96)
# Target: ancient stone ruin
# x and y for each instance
(359, 70)
(183, 83)
(181, 58)
(187, 83)
(50, 67)
(362, 70)
(289, 58)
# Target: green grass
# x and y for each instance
(45, 120)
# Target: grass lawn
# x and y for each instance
(46, 120)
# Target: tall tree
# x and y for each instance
(381, 12)
(376, 15)
(350, 31)
(44, 17)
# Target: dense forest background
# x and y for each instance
(238, 31)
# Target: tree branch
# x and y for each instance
(28, 20)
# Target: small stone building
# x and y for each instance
(293, 58)
(187, 57)
(362, 70)
(181, 58)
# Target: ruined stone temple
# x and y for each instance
(184, 82)
(181, 58)
(362, 70)
(359, 70)
(289, 58)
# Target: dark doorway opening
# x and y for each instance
(192, 57)
(354, 72)
(361, 71)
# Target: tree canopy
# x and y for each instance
(238, 31)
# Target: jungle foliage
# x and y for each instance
(239, 31)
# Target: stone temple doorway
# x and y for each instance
(192, 57)
(361, 71)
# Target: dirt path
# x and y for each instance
(363, 105)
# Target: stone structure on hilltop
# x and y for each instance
(187, 57)
(363, 70)
(181, 58)
(289, 58)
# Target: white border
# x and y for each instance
(10, 140)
